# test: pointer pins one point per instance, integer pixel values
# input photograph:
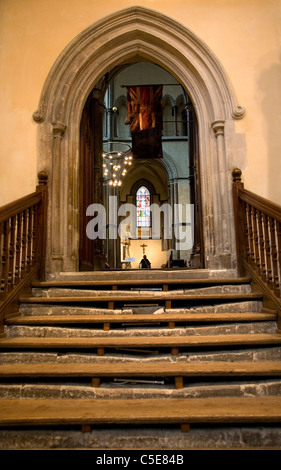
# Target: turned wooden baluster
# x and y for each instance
(274, 259)
(262, 245)
(256, 241)
(12, 250)
(269, 278)
(248, 231)
(33, 236)
(5, 255)
(278, 233)
(18, 247)
(1, 260)
(29, 238)
(24, 242)
(252, 236)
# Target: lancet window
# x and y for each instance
(143, 207)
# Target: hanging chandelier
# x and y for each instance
(117, 159)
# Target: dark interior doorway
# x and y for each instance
(97, 115)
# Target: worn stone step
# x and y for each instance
(141, 330)
(65, 309)
(140, 291)
(142, 411)
(232, 437)
(139, 274)
(83, 389)
(267, 353)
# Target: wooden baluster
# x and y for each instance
(269, 279)
(5, 254)
(262, 245)
(247, 232)
(33, 236)
(256, 242)
(1, 260)
(37, 232)
(274, 260)
(23, 242)
(278, 233)
(18, 247)
(12, 250)
(252, 236)
(29, 238)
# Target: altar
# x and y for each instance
(133, 250)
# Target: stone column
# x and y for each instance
(222, 222)
(57, 208)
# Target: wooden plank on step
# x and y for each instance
(142, 282)
(138, 341)
(155, 296)
(138, 318)
(129, 369)
(35, 412)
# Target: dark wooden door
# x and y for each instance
(86, 182)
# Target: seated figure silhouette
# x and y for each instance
(145, 263)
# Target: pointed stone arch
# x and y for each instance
(131, 35)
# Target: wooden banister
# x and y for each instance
(258, 240)
(22, 244)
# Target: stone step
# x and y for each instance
(142, 291)
(266, 353)
(136, 438)
(140, 411)
(68, 309)
(83, 389)
(191, 275)
(140, 330)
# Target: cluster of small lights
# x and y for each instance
(115, 168)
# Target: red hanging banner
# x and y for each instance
(145, 117)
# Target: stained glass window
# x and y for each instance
(143, 207)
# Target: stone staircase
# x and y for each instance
(132, 359)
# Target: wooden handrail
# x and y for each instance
(264, 205)
(22, 242)
(258, 239)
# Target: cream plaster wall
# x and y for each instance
(244, 35)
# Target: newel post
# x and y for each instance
(239, 220)
(42, 222)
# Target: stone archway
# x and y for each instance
(130, 35)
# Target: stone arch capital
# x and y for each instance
(218, 127)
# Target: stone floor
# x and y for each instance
(235, 438)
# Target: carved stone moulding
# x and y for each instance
(126, 36)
